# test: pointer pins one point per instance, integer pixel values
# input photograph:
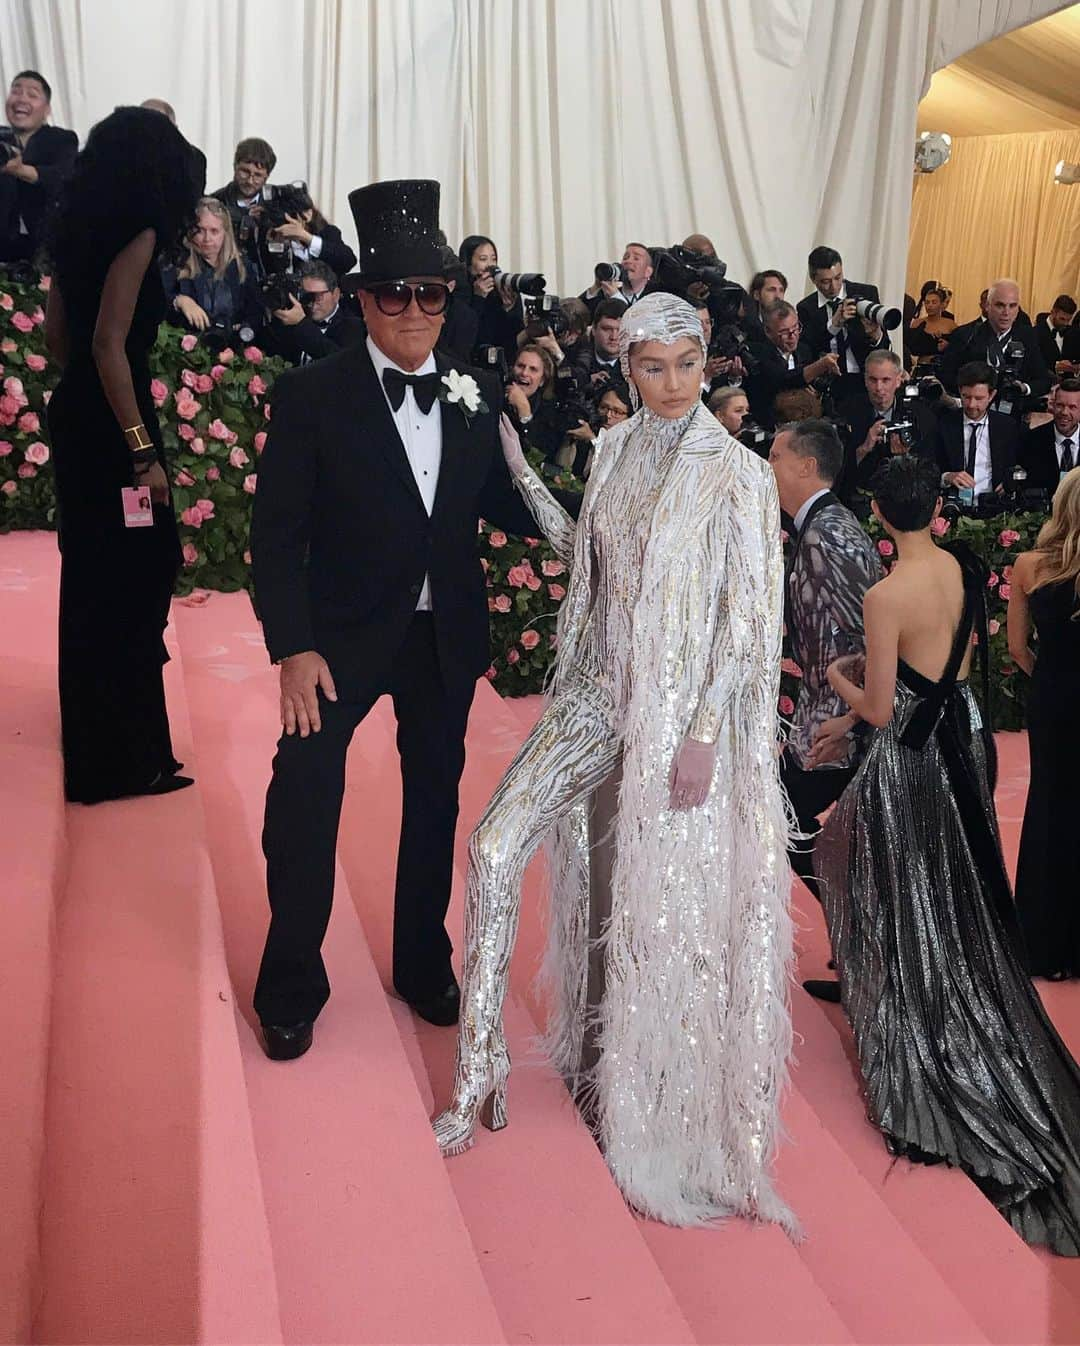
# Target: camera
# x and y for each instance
(279, 291)
(609, 271)
(1010, 398)
(755, 437)
(292, 199)
(494, 359)
(729, 342)
(522, 282)
(907, 431)
(676, 268)
(543, 315)
(216, 338)
(927, 389)
(9, 145)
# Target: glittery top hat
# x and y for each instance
(397, 224)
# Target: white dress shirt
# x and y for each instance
(984, 471)
(851, 365)
(1060, 439)
(804, 509)
(422, 437)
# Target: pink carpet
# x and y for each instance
(163, 1182)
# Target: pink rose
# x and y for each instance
(36, 363)
(552, 568)
(1006, 572)
(557, 592)
(187, 408)
(497, 539)
(250, 482)
(940, 526)
(186, 432)
(502, 603)
(14, 388)
(191, 553)
(5, 447)
(9, 407)
(45, 284)
(6, 302)
(218, 373)
(532, 541)
(38, 316)
(197, 446)
(530, 640)
(204, 384)
(791, 667)
(992, 582)
(238, 458)
(253, 355)
(532, 582)
(512, 656)
(205, 508)
(491, 674)
(993, 626)
(1008, 538)
(189, 342)
(7, 346)
(192, 517)
(517, 575)
(22, 322)
(29, 423)
(260, 441)
(27, 470)
(9, 487)
(219, 430)
(213, 474)
(256, 387)
(189, 378)
(247, 558)
(786, 705)
(885, 547)
(227, 356)
(37, 453)
(1005, 591)
(184, 478)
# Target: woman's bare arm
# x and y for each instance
(1019, 621)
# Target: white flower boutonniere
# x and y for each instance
(463, 390)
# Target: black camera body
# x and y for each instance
(217, 337)
(755, 437)
(291, 199)
(543, 314)
(280, 289)
(907, 431)
(493, 358)
(612, 272)
(1010, 397)
(729, 342)
(9, 145)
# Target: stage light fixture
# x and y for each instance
(932, 149)
(1066, 175)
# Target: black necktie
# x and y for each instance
(424, 386)
(1066, 455)
(973, 447)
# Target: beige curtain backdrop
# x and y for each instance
(994, 210)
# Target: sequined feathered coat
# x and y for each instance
(694, 1025)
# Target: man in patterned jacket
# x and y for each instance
(833, 563)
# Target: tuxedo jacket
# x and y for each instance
(815, 324)
(1048, 347)
(772, 376)
(861, 416)
(1004, 444)
(341, 540)
(308, 338)
(52, 151)
(1037, 455)
(978, 340)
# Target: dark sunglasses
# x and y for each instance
(394, 297)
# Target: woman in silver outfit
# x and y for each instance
(655, 768)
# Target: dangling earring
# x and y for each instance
(635, 396)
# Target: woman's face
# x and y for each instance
(529, 372)
(208, 236)
(613, 409)
(483, 259)
(933, 305)
(668, 377)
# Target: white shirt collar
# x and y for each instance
(968, 422)
(804, 509)
(1060, 439)
(822, 301)
(381, 362)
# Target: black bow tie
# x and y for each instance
(425, 388)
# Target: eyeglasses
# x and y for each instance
(394, 297)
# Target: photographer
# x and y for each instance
(290, 217)
(498, 308)
(783, 360)
(978, 447)
(869, 442)
(598, 363)
(530, 400)
(635, 272)
(1047, 453)
(730, 407)
(766, 288)
(582, 441)
(1004, 343)
(314, 324)
(832, 324)
(253, 162)
(1059, 337)
(35, 159)
(214, 288)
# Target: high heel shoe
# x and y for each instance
(455, 1129)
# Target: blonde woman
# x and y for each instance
(1045, 597)
(213, 287)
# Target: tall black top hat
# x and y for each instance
(397, 224)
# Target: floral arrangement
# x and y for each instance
(27, 380)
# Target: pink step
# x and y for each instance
(369, 1243)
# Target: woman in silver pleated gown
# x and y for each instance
(959, 1061)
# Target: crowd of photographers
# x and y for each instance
(995, 402)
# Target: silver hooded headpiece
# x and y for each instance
(657, 317)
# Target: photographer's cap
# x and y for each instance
(397, 226)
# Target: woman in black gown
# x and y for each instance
(129, 200)
(958, 1058)
(1046, 594)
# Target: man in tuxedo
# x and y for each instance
(978, 446)
(1051, 450)
(1059, 336)
(831, 324)
(637, 270)
(368, 579)
(766, 288)
(990, 342)
(33, 174)
(832, 564)
(598, 363)
(880, 405)
(318, 326)
(784, 360)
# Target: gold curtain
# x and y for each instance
(994, 210)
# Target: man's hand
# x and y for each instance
(301, 677)
(872, 440)
(515, 395)
(292, 315)
(14, 166)
(872, 330)
(828, 366)
(610, 288)
(691, 774)
(293, 228)
(964, 480)
(844, 313)
(511, 447)
(194, 315)
(549, 343)
(583, 430)
(831, 742)
(713, 365)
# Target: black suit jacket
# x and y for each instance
(772, 376)
(1037, 455)
(307, 338)
(1004, 445)
(861, 416)
(815, 324)
(52, 151)
(1048, 347)
(978, 340)
(336, 253)
(341, 540)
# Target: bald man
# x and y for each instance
(994, 342)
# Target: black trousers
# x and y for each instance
(811, 793)
(303, 810)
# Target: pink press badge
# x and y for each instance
(138, 511)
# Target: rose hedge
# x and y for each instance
(213, 412)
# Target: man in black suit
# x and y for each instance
(831, 324)
(1053, 449)
(40, 158)
(867, 447)
(1059, 336)
(598, 363)
(784, 360)
(368, 579)
(992, 342)
(253, 162)
(978, 446)
(318, 326)
(766, 288)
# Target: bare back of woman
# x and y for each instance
(926, 592)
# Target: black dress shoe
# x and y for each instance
(285, 1042)
(442, 1009)
(823, 990)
